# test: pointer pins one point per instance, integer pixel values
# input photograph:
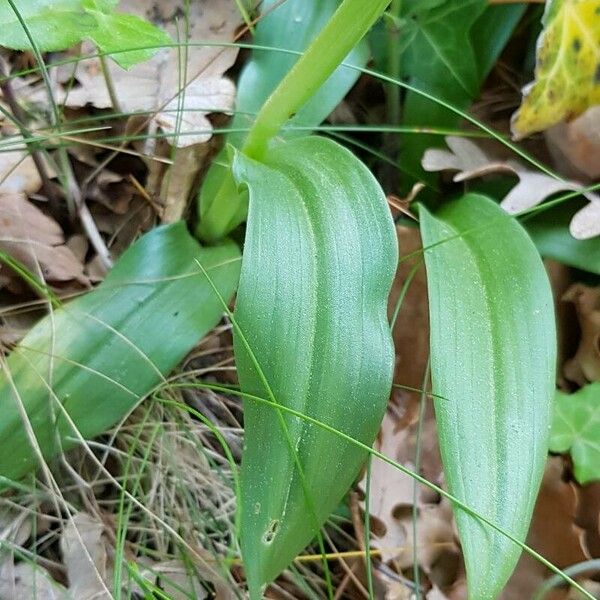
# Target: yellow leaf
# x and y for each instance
(567, 73)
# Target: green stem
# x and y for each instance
(348, 25)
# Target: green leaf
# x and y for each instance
(319, 258)
(550, 233)
(567, 72)
(454, 46)
(493, 353)
(53, 24)
(95, 358)
(289, 26)
(118, 31)
(576, 429)
(60, 24)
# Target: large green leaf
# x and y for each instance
(291, 25)
(97, 356)
(493, 353)
(576, 429)
(319, 258)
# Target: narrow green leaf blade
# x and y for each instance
(319, 258)
(576, 429)
(493, 354)
(100, 354)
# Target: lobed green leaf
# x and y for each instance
(576, 429)
(319, 258)
(60, 24)
(493, 354)
(84, 367)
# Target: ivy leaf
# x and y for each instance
(53, 24)
(60, 24)
(567, 73)
(576, 429)
(116, 32)
(454, 45)
(319, 258)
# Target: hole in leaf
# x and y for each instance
(271, 531)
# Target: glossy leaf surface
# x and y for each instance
(567, 73)
(319, 258)
(576, 429)
(493, 353)
(97, 356)
(291, 25)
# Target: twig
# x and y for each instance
(110, 85)
(19, 121)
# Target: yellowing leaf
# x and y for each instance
(567, 74)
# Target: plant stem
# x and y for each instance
(351, 21)
(110, 86)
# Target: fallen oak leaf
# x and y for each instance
(533, 187)
(181, 94)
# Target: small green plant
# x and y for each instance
(312, 342)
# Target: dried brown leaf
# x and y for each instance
(585, 365)
(575, 145)
(182, 93)
(85, 556)
(533, 188)
(18, 173)
(25, 580)
(36, 241)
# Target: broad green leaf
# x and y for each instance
(291, 25)
(550, 233)
(95, 358)
(319, 258)
(567, 73)
(118, 31)
(493, 353)
(53, 24)
(576, 429)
